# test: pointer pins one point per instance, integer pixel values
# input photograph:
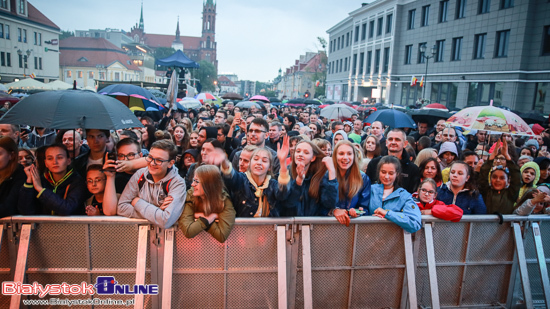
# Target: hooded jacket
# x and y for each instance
(469, 203)
(151, 197)
(402, 210)
(447, 147)
(526, 187)
(501, 201)
(341, 132)
(36, 140)
(441, 210)
(63, 198)
(9, 192)
(299, 203)
(410, 173)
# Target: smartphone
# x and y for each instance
(238, 115)
(543, 148)
(111, 156)
(25, 131)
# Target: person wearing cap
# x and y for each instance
(534, 201)
(500, 184)
(533, 144)
(447, 154)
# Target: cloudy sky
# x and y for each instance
(255, 38)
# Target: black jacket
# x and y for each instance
(9, 192)
(410, 173)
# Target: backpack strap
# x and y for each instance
(166, 187)
(141, 181)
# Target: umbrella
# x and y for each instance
(312, 102)
(295, 104)
(533, 117)
(135, 97)
(364, 108)
(58, 85)
(6, 97)
(338, 111)
(69, 109)
(180, 107)
(190, 104)
(172, 92)
(392, 118)
(490, 118)
(435, 106)
(205, 96)
(431, 116)
(232, 96)
(247, 104)
(259, 98)
(158, 94)
(127, 89)
(328, 102)
(26, 84)
(274, 99)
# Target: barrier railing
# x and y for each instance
(289, 262)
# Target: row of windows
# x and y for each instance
(361, 31)
(460, 12)
(5, 61)
(21, 35)
(91, 75)
(341, 65)
(501, 48)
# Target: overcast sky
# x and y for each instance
(255, 38)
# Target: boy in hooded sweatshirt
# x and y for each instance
(448, 153)
(530, 174)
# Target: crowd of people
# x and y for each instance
(203, 168)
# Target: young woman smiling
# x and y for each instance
(390, 201)
(461, 190)
(353, 184)
(430, 168)
(313, 188)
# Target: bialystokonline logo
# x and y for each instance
(105, 285)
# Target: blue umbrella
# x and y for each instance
(392, 118)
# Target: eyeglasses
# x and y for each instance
(500, 159)
(129, 156)
(256, 131)
(157, 161)
(430, 192)
(94, 181)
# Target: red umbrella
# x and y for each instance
(436, 106)
(6, 97)
(324, 105)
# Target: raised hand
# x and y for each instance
(327, 161)
(109, 167)
(283, 150)
(301, 171)
(216, 157)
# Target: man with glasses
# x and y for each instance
(156, 192)
(256, 135)
(127, 149)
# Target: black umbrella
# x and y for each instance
(232, 96)
(533, 117)
(70, 109)
(274, 99)
(431, 116)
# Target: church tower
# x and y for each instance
(208, 39)
(177, 44)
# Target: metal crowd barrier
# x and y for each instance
(302, 262)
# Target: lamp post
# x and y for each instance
(25, 59)
(427, 57)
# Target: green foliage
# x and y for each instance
(206, 74)
(66, 34)
(161, 53)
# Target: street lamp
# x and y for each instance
(25, 59)
(427, 57)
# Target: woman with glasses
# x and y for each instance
(206, 202)
(429, 205)
(500, 181)
(461, 190)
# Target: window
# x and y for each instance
(541, 90)
(483, 93)
(460, 9)
(457, 49)
(377, 61)
(117, 76)
(4, 4)
(35, 38)
(425, 16)
(444, 93)
(506, 4)
(26, 61)
(479, 45)
(408, 54)
(354, 69)
(388, 23)
(22, 7)
(8, 59)
(356, 33)
(40, 63)
(380, 25)
(347, 39)
(371, 29)
(19, 34)
(69, 74)
(484, 6)
(346, 64)
(330, 47)
(338, 44)
(1, 30)
(24, 36)
(79, 74)
(36, 63)
(369, 62)
(386, 60)
(421, 58)
(39, 39)
(440, 50)
(341, 65)
(361, 62)
(546, 41)
(7, 32)
(20, 61)
(342, 41)
(2, 59)
(409, 94)
(102, 75)
(501, 48)
(410, 24)
(443, 7)
(364, 31)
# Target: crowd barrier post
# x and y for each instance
(306, 267)
(141, 263)
(522, 262)
(543, 269)
(168, 263)
(282, 266)
(22, 252)
(292, 249)
(432, 272)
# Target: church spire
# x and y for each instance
(178, 31)
(141, 18)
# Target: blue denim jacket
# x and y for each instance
(402, 210)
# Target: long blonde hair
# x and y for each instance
(212, 185)
(349, 184)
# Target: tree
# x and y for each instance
(206, 74)
(66, 34)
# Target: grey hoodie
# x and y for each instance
(341, 132)
(151, 197)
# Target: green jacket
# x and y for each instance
(499, 201)
(219, 229)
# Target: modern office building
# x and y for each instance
(466, 52)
